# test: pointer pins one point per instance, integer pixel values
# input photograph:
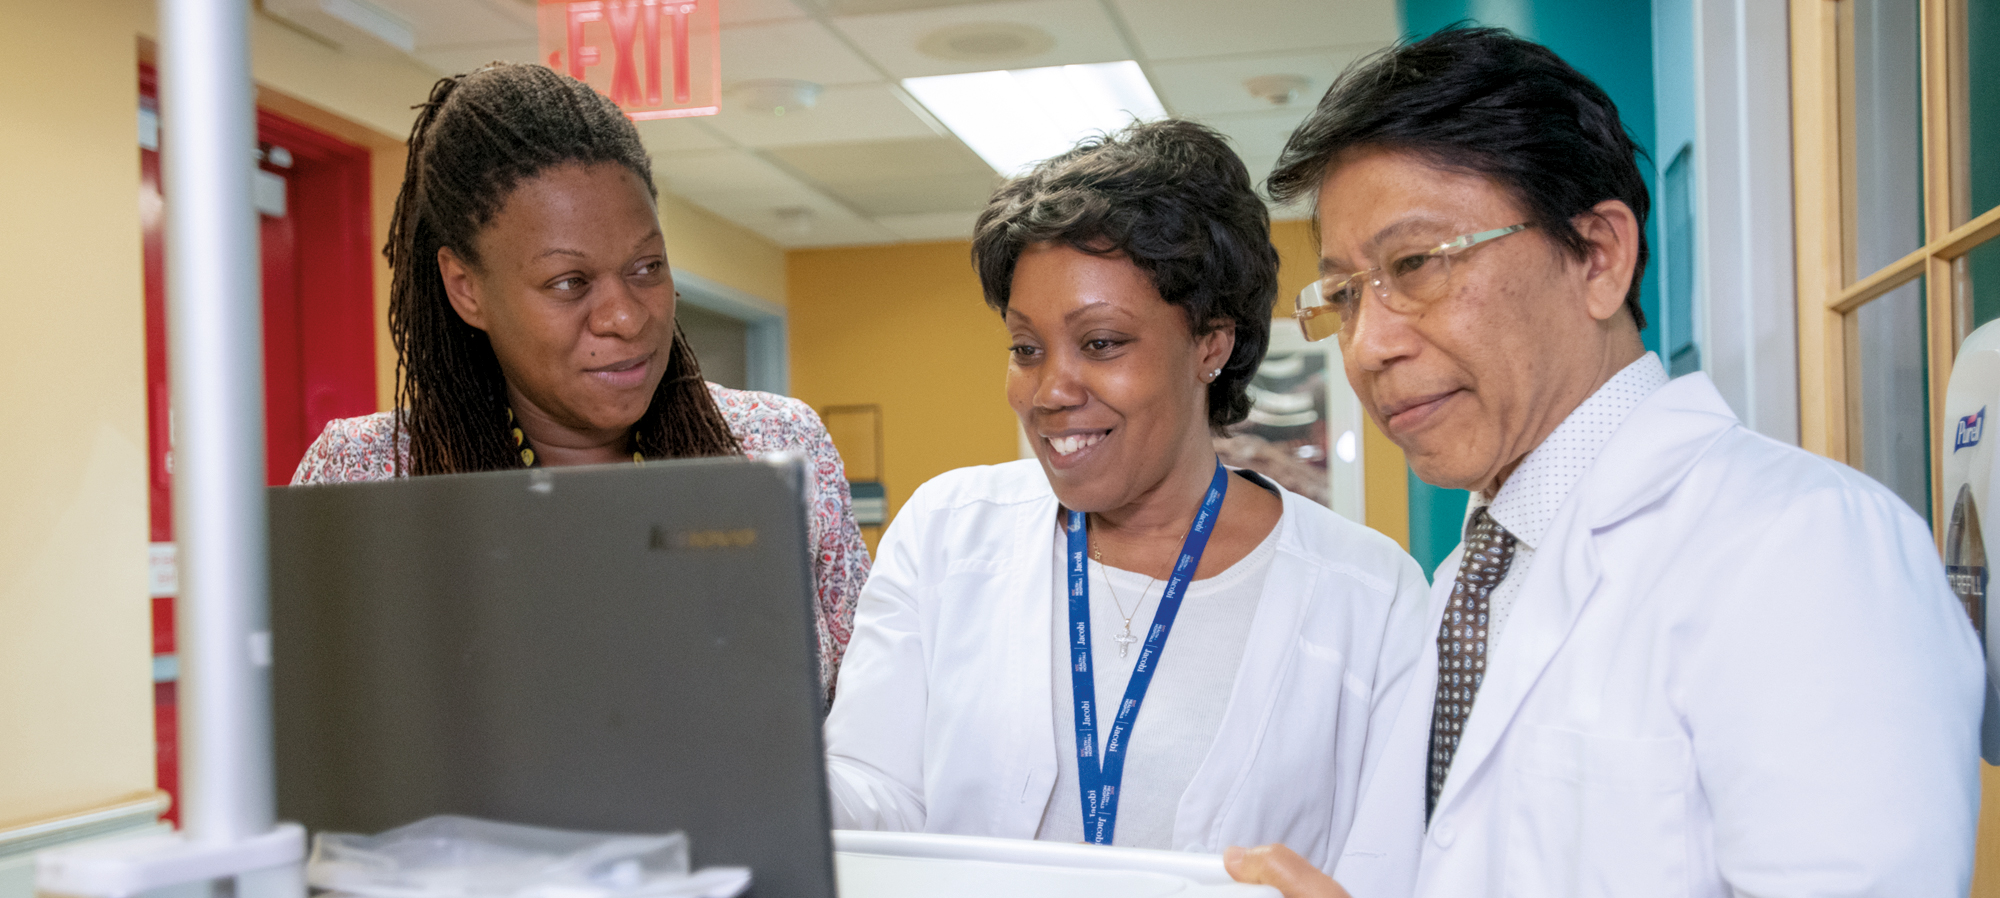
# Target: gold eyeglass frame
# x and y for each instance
(1312, 302)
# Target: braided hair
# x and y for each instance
(477, 138)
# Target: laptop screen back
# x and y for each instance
(625, 649)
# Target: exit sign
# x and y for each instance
(654, 58)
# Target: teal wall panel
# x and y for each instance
(1983, 58)
(1437, 518)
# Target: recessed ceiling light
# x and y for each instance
(1014, 119)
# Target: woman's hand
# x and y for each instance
(1278, 866)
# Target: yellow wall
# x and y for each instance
(905, 327)
(708, 245)
(75, 643)
(75, 683)
(385, 172)
(75, 650)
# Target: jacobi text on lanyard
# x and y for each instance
(1098, 779)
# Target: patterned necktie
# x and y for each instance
(1489, 549)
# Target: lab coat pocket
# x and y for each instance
(1597, 816)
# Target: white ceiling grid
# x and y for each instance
(868, 164)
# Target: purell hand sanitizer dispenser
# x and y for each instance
(1969, 495)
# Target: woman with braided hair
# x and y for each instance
(532, 310)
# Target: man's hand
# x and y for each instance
(1276, 865)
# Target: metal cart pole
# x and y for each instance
(215, 324)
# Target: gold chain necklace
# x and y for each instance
(528, 451)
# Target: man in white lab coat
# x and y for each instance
(1673, 657)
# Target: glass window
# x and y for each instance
(1886, 350)
(1883, 128)
(1982, 125)
(1979, 282)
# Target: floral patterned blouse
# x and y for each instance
(359, 449)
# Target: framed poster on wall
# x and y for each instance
(1304, 429)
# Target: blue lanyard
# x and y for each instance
(1099, 780)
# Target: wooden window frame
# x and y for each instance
(1829, 395)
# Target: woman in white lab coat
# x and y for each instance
(1247, 646)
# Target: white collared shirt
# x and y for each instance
(1528, 500)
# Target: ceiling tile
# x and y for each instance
(1258, 134)
(1211, 86)
(1259, 165)
(522, 11)
(751, 192)
(716, 172)
(858, 7)
(1082, 31)
(837, 232)
(1179, 29)
(775, 214)
(677, 135)
(743, 12)
(930, 225)
(896, 177)
(929, 156)
(896, 196)
(804, 50)
(850, 113)
(462, 21)
(460, 58)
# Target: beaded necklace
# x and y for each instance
(528, 452)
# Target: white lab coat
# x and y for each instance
(1734, 669)
(943, 720)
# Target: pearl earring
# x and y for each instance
(1215, 374)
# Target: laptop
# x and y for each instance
(627, 648)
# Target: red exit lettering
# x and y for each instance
(664, 55)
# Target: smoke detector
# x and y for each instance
(776, 96)
(1277, 90)
(986, 42)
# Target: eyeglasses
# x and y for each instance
(1406, 284)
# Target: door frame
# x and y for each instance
(767, 350)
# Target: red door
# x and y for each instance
(319, 332)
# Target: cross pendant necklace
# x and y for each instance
(1125, 639)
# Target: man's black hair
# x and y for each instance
(1483, 101)
(1175, 200)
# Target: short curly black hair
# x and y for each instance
(1173, 198)
(1484, 101)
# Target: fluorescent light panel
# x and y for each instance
(1014, 119)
